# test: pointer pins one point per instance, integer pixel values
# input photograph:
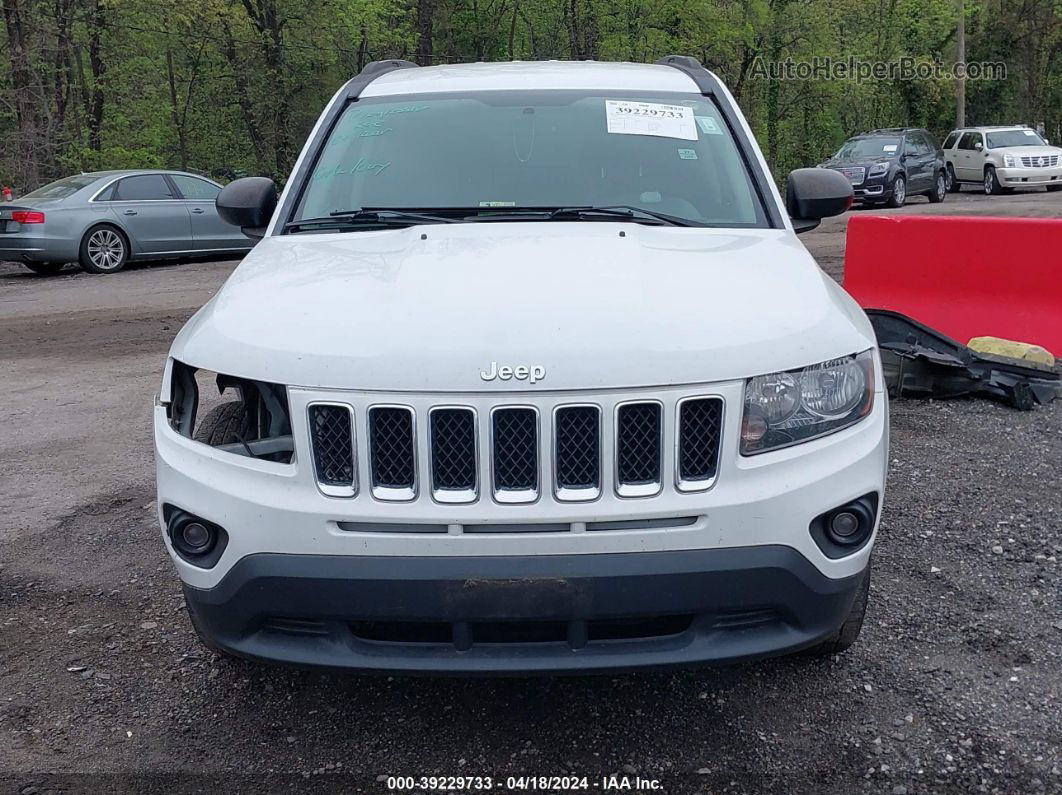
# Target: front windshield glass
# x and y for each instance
(61, 188)
(868, 147)
(997, 140)
(545, 149)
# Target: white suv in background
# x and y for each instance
(1001, 159)
(528, 372)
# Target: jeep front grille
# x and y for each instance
(332, 441)
(514, 454)
(569, 451)
(392, 453)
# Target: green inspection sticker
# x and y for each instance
(708, 125)
(687, 154)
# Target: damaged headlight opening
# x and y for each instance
(786, 408)
(234, 414)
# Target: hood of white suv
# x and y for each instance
(591, 304)
(1027, 151)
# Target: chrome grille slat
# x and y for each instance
(577, 452)
(332, 445)
(514, 454)
(392, 452)
(639, 431)
(454, 465)
(700, 426)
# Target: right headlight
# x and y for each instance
(786, 408)
(1010, 161)
(878, 168)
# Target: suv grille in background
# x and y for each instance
(392, 456)
(1039, 161)
(577, 451)
(638, 449)
(700, 429)
(332, 440)
(515, 453)
(855, 175)
(453, 454)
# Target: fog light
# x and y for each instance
(847, 527)
(195, 540)
(844, 524)
(196, 535)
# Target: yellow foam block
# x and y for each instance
(1011, 349)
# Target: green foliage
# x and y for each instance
(225, 85)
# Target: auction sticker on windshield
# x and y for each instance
(650, 118)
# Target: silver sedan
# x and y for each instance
(106, 218)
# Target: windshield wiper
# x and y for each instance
(580, 212)
(371, 217)
(622, 211)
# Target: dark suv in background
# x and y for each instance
(888, 165)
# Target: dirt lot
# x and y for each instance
(955, 685)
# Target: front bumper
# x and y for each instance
(327, 564)
(872, 190)
(1029, 177)
(518, 615)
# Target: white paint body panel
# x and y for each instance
(388, 310)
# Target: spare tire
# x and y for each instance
(228, 423)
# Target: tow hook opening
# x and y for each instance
(230, 413)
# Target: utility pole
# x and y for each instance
(960, 58)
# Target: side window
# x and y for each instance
(949, 142)
(145, 187)
(967, 141)
(195, 188)
(913, 145)
(931, 145)
(107, 194)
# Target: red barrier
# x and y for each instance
(966, 276)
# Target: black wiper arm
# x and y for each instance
(622, 211)
(368, 215)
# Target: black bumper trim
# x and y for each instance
(743, 603)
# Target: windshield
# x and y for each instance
(868, 147)
(61, 188)
(997, 140)
(668, 153)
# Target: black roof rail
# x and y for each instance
(706, 82)
(371, 71)
(710, 86)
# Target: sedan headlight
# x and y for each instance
(1010, 161)
(878, 168)
(795, 406)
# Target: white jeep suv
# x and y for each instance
(1000, 159)
(527, 373)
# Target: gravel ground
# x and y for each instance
(955, 685)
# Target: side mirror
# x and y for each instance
(979, 146)
(812, 194)
(248, 203)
